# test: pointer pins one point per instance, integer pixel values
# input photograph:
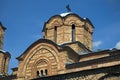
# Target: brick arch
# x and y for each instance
(54, 17)
(72, 19)
(53, 51)
(41, 62)
(55, 21)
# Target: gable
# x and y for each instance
(40, 56)
(45, 56)
(36, 45)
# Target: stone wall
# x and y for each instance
(59, 29)
(1, 62)
(2, 29)
(4, 62)
(108, 73)
(44, 59)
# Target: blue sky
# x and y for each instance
(24, 20)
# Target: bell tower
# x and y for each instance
(68, 28)
(2, 30)
(4, 56)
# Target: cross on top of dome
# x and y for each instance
(68, 8)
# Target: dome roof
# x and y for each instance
(65, 14)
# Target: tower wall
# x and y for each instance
(4, 56)
(68, 29)
(4, 62)
(2, 30)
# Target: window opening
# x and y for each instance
(38, 74)
(55, 33)
(46, 72)
(73, 32)
(42, 73)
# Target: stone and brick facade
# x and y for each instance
(69, 28)
(64, 39)
(2, 31)
(4, 55)
(65, 53)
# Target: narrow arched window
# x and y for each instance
(38, 74)
(55, 33)
(46, 72)
(73, 32)
(42, 73)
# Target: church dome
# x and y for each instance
(65, 14)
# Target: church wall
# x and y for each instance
(88, 35)
(43, 56)
(7, 65)
(75, 47)
(96, 63)
(4, 61)
(4, 56)
(60, 35)
(50, 34)
(79, 34)
(86, 38)
(2, 29)
(67, 34)
(93, 57)
(83, 30)
(108, 73)
(1, 37)
(1, 62)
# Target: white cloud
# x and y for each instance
(97, 43)
(117, 45)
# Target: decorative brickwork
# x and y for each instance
(65, 32)
(2, 29)
(64, 53)
(108, 73)
(44, 58)
(4, 56)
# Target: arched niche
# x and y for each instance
(54, 21)
(41, 52)
(73, 19)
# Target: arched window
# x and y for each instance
(42, 68)
(46, 72)
(73, 32)
(42, 73)
(55, 33)
(38, 74)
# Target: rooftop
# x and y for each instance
(65, 14)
